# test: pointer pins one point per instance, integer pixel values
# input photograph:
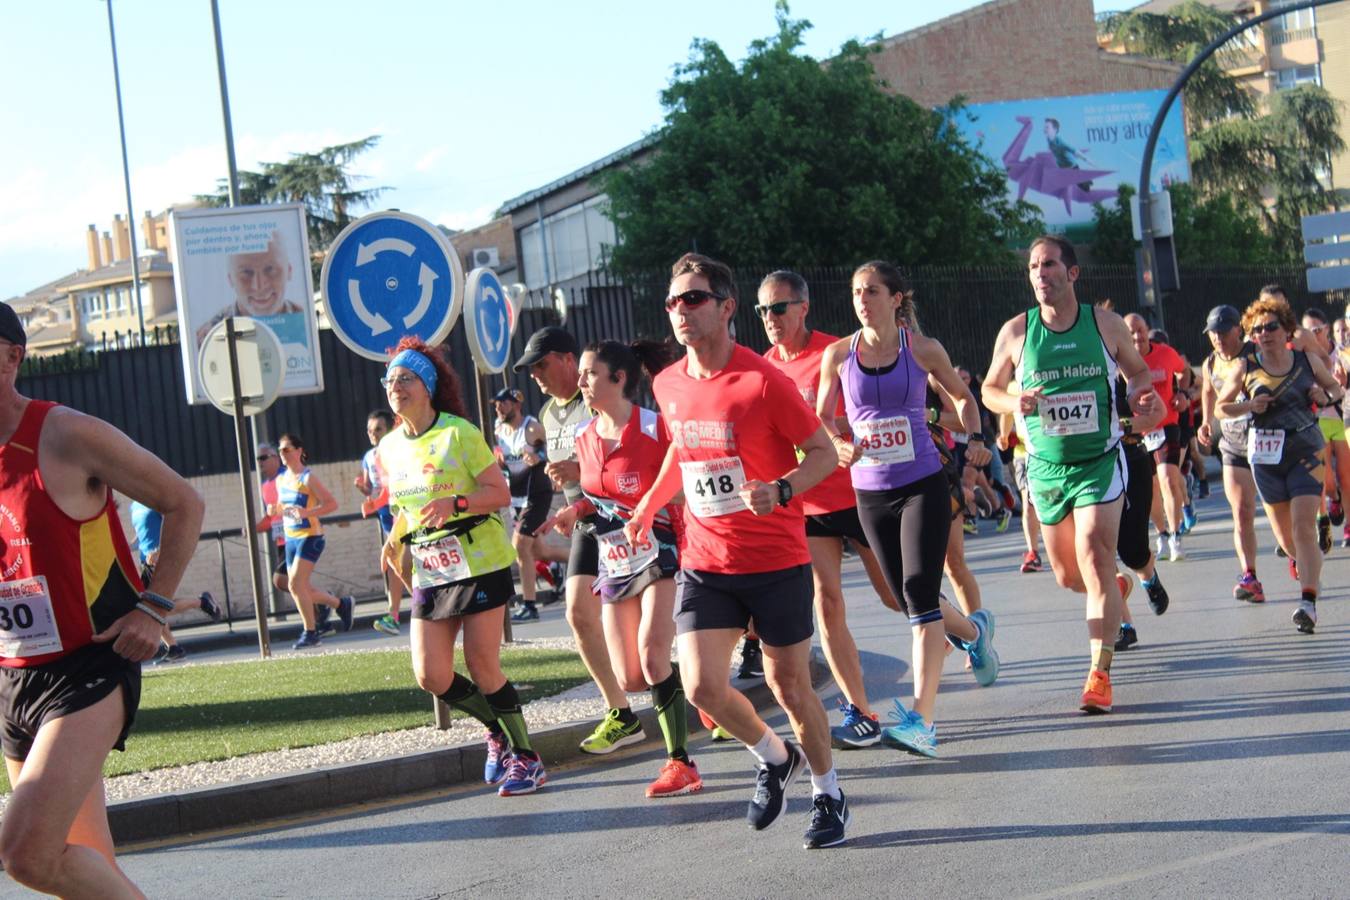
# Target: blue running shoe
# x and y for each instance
(858, 730)
(523, 776)
(983, 656)
(498, 757)
(322, 613)
(307, 639)
(910, 732)
(346, 606)
(1188, 519)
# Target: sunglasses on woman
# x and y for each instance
(1268, 328)
(691, 299)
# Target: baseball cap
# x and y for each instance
(11, 329)
(550, 339)
(1222, 318)
(509, 394)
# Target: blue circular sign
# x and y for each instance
(387, 275)
(488, 319)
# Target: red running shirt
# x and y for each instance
(836, 491)
(1164, 364)
(64, 580)
(624, 474)
(742, 423)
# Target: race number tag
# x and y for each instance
(884, 442)
(1265, 446)
(1071, 413)
(711, 486)
(278, 529)
(1154, 439)
(27, 623)
(1235, 430)
(621, 558)
(440, 561)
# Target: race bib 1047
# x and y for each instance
(1071, 413)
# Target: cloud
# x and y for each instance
(431, 158)
(462, 219)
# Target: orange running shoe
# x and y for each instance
(1126, 585)
(707, 720)
(1097, 693)
(676, 778)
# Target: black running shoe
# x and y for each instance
(210, 607)
(752, 660)
(1127, 638)
(771, 786)
(1157, 595)
(829, 817)
(346, 606)
(1324, 534)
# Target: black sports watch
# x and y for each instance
(784, 491)
(461, 504)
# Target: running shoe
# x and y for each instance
(1336, 513)
(1188, 518)
(676, 778)
(1202, 489)
(1031, 562)
(829, 818)
(1009, 499)
(1157, 594)
(1160, 549)
(1293, 568)
(543, 573)
(720, 735)
(611, 734)
(1345, 537)
(1248, 589)
(523, 776)
(858, 730)
(387, 624)
(752, 660)
(771, 784)
(1279, 551)
(910, 732)
(1004, 517)
(528, 612)
(498, 758)
(706, 719)
(1324, 534)
(322, 613)
(1126, 585)
(969, 526)
(1175, 553)
(346, 607)
(1305, 617)
(1127, 637)
(210, 606)
(172, 654)
(983, 656)
(306, 640)
(1096, 693)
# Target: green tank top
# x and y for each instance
(1076, 421)
(440, 462)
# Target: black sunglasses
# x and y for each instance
(1268, 328)
(691, 299)
(776, 308)
(264, 457)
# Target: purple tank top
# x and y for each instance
(889, 421)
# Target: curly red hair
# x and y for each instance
(448, 397)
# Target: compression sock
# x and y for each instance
(1310, 595)
(465, 696)
(627, 716)
(505, 703)
(826, 784)
(672, 712)
(770, 750)
(1101, 655)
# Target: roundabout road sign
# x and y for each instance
(490, 320)
(387, 275)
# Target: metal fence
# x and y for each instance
(140, 389)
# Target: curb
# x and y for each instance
(316, 790)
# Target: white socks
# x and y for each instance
(770, 750)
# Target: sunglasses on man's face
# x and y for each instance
(1268, 328)
(264, 457)
(691, 299)
(776, 309)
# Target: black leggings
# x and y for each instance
(1132, 541)
(907, 527)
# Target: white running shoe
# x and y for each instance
(1160, 550)
(1176, 554)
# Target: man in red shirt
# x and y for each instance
(831, 507)
(1165, 367)
(735, 425)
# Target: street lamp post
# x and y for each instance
(126, 178)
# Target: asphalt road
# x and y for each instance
(1223, 771)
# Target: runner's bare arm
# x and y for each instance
(1007, 348)
(930, 354)
(1227, 402)
(489, 495)
(535, 440)
(1205, 433)
(827, 401)
(1120, 343)
(666, 486)
(327, 502)
(1331, 388)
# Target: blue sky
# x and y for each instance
(475, 102)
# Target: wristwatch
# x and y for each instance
(784, 491)
(461, 504)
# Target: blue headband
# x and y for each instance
(419, 365)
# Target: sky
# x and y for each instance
(474, 103)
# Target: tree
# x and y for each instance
(1208, 230)
(320, 180)
(783, 160)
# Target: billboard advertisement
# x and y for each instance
(248, 261)
(1063, 154)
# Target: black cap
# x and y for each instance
(11, 329)
(509, 394)
(1222, 318)
(551, 339)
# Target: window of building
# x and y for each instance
(1296, 75)
(1292, 21)
(566, 244)
(91, 305)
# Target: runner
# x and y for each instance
(1336, 453)
(734, 422)
(551, 359)
(301, 501)
(903, 493)
(1065, 356)
(620, 453)
(148, 525)
(831, 508)
(1284, 442)
(1009, 435)
(1341, 330)
(371, 485)
(1231, 351)
(73, 631)
(269, 467)
(520, 450)
(445, 488)
(1165, 368)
